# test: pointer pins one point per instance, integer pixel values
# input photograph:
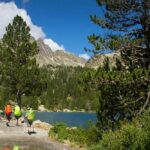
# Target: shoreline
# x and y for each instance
(61, 111)
(65, 111)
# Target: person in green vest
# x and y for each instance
(30, 116)
(16, 147)
(17, 113)
(1, 114)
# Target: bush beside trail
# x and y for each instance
(75, 136)
(133, 136)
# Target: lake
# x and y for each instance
(78, 119)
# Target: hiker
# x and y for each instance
(0, 115)
(6, 148)
(17, 113)
(16, 147)
(8, 112)
(30, 115)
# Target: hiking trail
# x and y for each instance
(19, 135)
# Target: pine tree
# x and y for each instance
(121, 15)
(17, 60)
(131, 20)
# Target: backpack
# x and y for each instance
(17, 111)
(31, 115)
(8, 110)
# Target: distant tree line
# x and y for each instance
(64, 91)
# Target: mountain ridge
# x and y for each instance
(56, 58)
(98, 59)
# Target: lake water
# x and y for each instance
(78, 119)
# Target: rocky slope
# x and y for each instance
(98, 59)
(58, 58)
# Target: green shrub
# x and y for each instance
(78, 136)
(133, 136)
(128, 137)
(144, 122)
(59, 132)
(93, 135)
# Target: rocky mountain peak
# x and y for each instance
(56, 58)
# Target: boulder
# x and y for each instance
(43, 125)
(42, 108)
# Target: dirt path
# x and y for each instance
(18, 135)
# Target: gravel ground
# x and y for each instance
(18, 135)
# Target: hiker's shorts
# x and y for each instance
(8, 117)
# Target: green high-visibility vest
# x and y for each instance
(16, 147)
(17, 111)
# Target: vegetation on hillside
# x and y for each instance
(63, 90)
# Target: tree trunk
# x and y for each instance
(18, 97)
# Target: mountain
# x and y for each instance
(56, 58)
(98, 59)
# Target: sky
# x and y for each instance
(62, 24)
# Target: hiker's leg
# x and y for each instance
(29, 126)
(16, 120)
(8, 120)
(32, 127)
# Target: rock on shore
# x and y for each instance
(42, 125)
